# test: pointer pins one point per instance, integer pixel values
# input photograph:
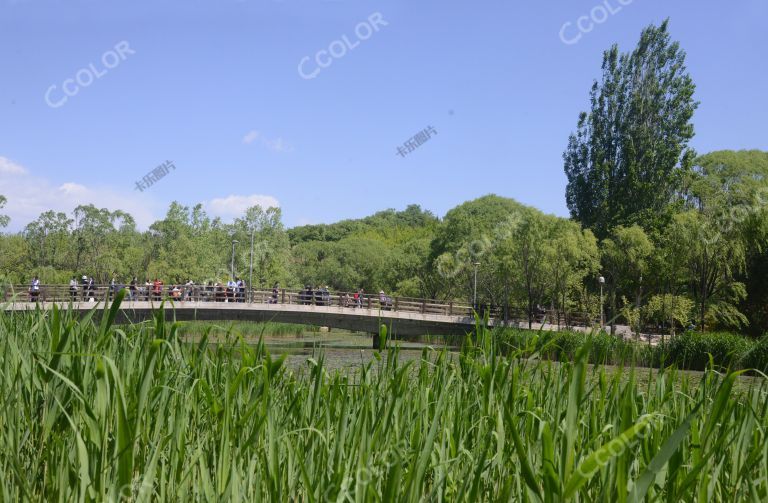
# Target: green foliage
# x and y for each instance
(731, 188)
(672, 310)
(713, 262)
(625, 258)
(103, 413)
(4, 219)
(692, 350)
(413, 216)
(757, 357)
(689, 350)
(627, 160)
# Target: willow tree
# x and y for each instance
(729, 189)
(627, 159)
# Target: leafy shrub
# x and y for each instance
(689, 350)
(757, 357)
(669, 309)
(692, 350)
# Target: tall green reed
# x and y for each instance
(91, 411)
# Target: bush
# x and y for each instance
(692, 350)
(689, 350)
(757, 357)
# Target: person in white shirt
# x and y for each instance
(73, 288)
(34, 289)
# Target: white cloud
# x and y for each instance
(250, 137)
(275, 145)
(71, 188)
(235, 205)
(29, 196)
(8, 167)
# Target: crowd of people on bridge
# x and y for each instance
(85, 289)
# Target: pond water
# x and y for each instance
(340, 350)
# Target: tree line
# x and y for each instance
(677, 237)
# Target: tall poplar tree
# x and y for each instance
(625, 162)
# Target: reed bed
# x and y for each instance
(91, 411)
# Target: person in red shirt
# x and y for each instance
(157, 289)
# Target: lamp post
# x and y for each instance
(250, 273)
(474, 295)
(601, 280)
(639, 312)
(232, 265)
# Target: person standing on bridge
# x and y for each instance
(34, 289)
(73, 288)
(231, 285)
(275, 293)
(84, 283)
(132, 289)
(157, 289)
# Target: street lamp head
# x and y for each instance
(476, 264)
(601, 280)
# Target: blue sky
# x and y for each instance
(215, 87)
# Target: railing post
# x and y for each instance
(423, 306)
(450, 309)
(283, 301)
(370, 301)
(396, 299)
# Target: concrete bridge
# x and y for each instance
(405, 317)
(402, 324)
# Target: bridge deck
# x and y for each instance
(405, 317)
(400, 323)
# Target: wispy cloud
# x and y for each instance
(274, 144)
(250, 137)
(8, 167)
(30, 195)
(235, 205)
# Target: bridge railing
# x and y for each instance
(221, 293)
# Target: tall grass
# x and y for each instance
(95, 412)
(689, 350)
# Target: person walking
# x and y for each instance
(112, 288)
(84, 283)
(132, 289)
(189, 288)
(73, 288)
(34, 289)
(157, 290)
(231, 290)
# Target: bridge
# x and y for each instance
(404, 317)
